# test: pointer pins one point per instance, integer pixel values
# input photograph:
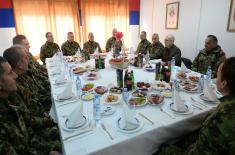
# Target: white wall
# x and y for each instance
(197, 19)
(6, 35)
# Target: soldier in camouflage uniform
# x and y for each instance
(111, 41)
(217, 135)
(212, 55)
(144, 44)
(17, 136)
(49, 48)
(156, 48)
(171, 50)
(70, 47)
(90, 46)
(35, 78)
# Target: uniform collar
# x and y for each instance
(228, 97)
(217, 49)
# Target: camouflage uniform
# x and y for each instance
(70, 48)
(169, 53)
(143, 47)
(48, 50)
(216, 137)
(17, 128)
(110, 44)
(204, 59)
(90, 47)
(156, 50)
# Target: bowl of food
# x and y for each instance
(88, 87)
(101, 89)
(111, 98)
(137, 101)
(160, 85)
(115, 90)
(193, 78)
(87, 96)
(181, 75)
(143, 85)
(79, 70)
(149, 68)
(155, 99)
(139, 93)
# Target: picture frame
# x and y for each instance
(172, 15)
(231, 17)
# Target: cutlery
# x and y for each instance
(196, 106)
(74, 101)
(166, 113)
(105, 129)
(142, 115)
(88, 131)
(198, 102)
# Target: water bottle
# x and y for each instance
(201, 82)
(96, 108)
(78, 86)
(208, 73)
(172, 63)
(125, 95)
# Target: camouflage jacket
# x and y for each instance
(204, 59)
(169, 53)
(216, 137)
(156, 50)
(17, 134)
(90, 47)
(70, 48)
(48, 50)
(33, 93)
(110, 44)
(143, 47)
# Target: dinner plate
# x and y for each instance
(65, 99)
(204, 98)
(81, 126)
(140, 122)
(155, 86)
(87, 99)
(103, 99)
(138, 105)
(189, 111)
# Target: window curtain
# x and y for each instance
(101, 16)
(34, 18)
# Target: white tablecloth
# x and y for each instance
(144, 142)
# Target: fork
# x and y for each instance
(166, 112)
(198, 102)
(105, 129)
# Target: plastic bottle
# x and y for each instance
(78, 86)
(208, 73)
(96, 108)
(125, 95)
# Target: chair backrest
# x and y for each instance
(187, 62)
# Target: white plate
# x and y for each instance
(103, 99)
(141, 124)
(204, 98)
(190, 109)
(65, 99)
(107, 110)
(139, 105)
(80, 127)
(87, 94)
(155, 87)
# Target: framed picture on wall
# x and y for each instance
(172, 15)
(231, 18)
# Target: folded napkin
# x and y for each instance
(183, 67)
(76, 118)
(178, 102)
(66, 93)
(208, 91)
(61, 79)
(128, 120)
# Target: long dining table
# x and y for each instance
(160, 123)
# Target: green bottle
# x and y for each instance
(132, 80)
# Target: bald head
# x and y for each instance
(155, 38)
(169, 40)
(91, 36)
(114, 32)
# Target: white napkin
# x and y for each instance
(128, 120)
(76, 116)
(208, 91)
(178, 102)
(60, 79)
(66, 93)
